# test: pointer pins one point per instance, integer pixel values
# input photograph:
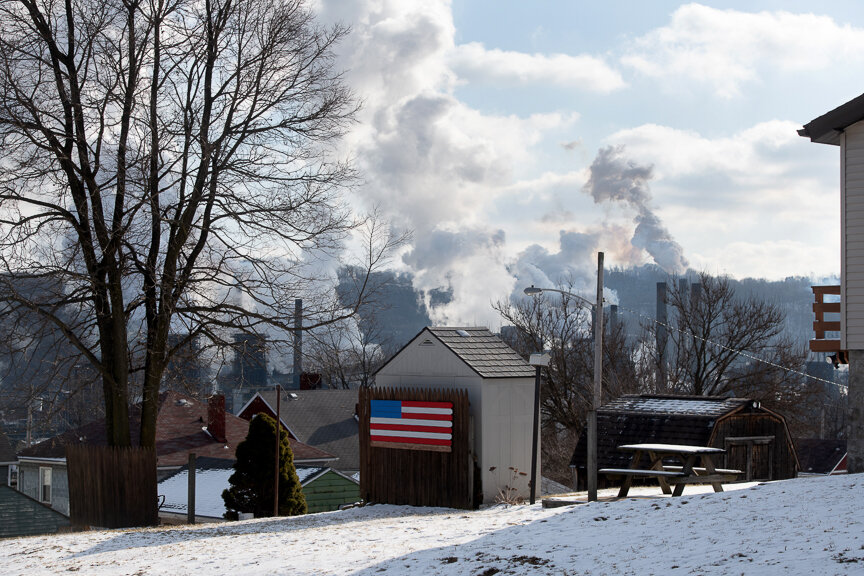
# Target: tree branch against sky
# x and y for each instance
(168, 165)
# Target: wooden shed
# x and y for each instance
(756, 439)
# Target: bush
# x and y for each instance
(252, 481)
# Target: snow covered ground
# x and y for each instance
(806, 526)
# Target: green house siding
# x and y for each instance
(329, 491)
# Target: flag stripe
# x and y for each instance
(420, 410)
(404, 440)
(410, 422)
(435, 429)
(410, 434)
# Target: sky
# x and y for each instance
(800, 526)
(515, 140)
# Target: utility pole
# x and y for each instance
(591, 465)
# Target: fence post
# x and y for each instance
(190, 497)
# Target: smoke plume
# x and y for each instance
(614, 178)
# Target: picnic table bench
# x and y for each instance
(677, 476)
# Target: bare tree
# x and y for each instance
(562, 325)
(722, 344)
(168, 167)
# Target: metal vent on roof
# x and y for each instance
(462, 333)
(294, 396)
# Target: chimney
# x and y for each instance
(216, 417)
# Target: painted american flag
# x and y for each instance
(412, 425)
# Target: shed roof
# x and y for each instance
(826, 129)
(480, 349)
(643, 418)
(181, 423)
(323, 419)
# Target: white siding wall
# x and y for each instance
(852, 218)
(507, 437)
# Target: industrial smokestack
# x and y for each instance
(661, 336)
(298, 342)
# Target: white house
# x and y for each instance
(844, 127)
(500, 387)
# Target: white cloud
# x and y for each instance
(475, 62)
(725, 49)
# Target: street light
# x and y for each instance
(538, 361)
(591, 464)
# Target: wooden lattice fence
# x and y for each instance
(418, 477)
(112, 487)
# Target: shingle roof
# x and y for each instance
(23, 516)
(484, 352)
(323, 419)
(180, 430)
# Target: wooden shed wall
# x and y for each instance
(749, 424)
(330, 491)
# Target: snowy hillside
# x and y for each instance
(804, 526)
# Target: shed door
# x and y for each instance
(753, 455)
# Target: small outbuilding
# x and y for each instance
(756, 440)
(500, 388)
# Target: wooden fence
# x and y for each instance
(111, 487)
(418, 477)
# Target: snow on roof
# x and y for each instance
(691, 406)
(209, 485)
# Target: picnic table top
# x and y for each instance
(672, 448)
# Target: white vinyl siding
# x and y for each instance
(852, 264)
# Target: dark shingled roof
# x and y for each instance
(818, 456)
(323, 419)
(484, 352)
(636, 419)
(23, 516)
(826, 129)
(180, 424)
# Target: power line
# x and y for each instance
(733, 350)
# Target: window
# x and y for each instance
(12, 480)
(45, 485)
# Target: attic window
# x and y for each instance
(463, 333)
(427, 342)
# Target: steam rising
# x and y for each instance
(614, 178)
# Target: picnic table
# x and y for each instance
(678, 476)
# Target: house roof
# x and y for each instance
(483, 352)
(7, 454)
(819, 456)
(211, 478)
(323, 419)
(181, 428)
(644, 418)
(23, 516)
(826, 129)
